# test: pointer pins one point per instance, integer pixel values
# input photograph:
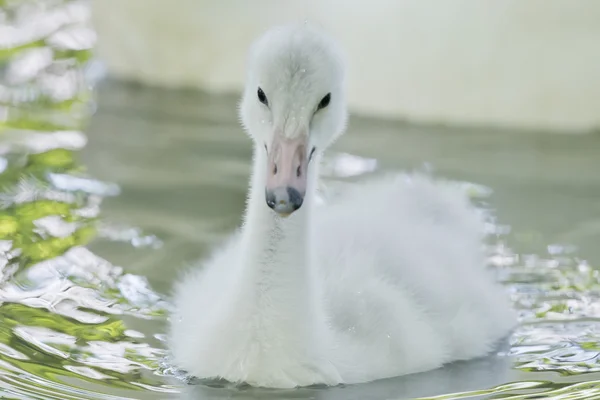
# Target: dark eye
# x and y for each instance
(262, 97)
(324, 102)
(312, 152)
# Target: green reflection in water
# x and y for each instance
(62, 307)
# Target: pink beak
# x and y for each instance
(286, 174)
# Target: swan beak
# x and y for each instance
(286, 174)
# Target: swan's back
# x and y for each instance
(405, 275)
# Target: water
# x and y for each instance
(98, 212)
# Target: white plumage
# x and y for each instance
(388, 278)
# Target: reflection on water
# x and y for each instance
(62, 320)
(73, 324)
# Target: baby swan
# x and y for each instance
(388, 279)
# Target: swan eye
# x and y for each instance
(324, 101)
(311, 153)
(262, 97)
(298, 172)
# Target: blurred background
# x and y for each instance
(514, 64)
(122, 161)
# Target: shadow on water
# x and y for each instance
(76, 325)
(460, 377)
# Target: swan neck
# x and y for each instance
(265, 233)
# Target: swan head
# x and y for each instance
(293, 107)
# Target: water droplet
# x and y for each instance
(263, 121)
(303, 70)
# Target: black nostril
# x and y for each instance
(270, 196)
(295, 198)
